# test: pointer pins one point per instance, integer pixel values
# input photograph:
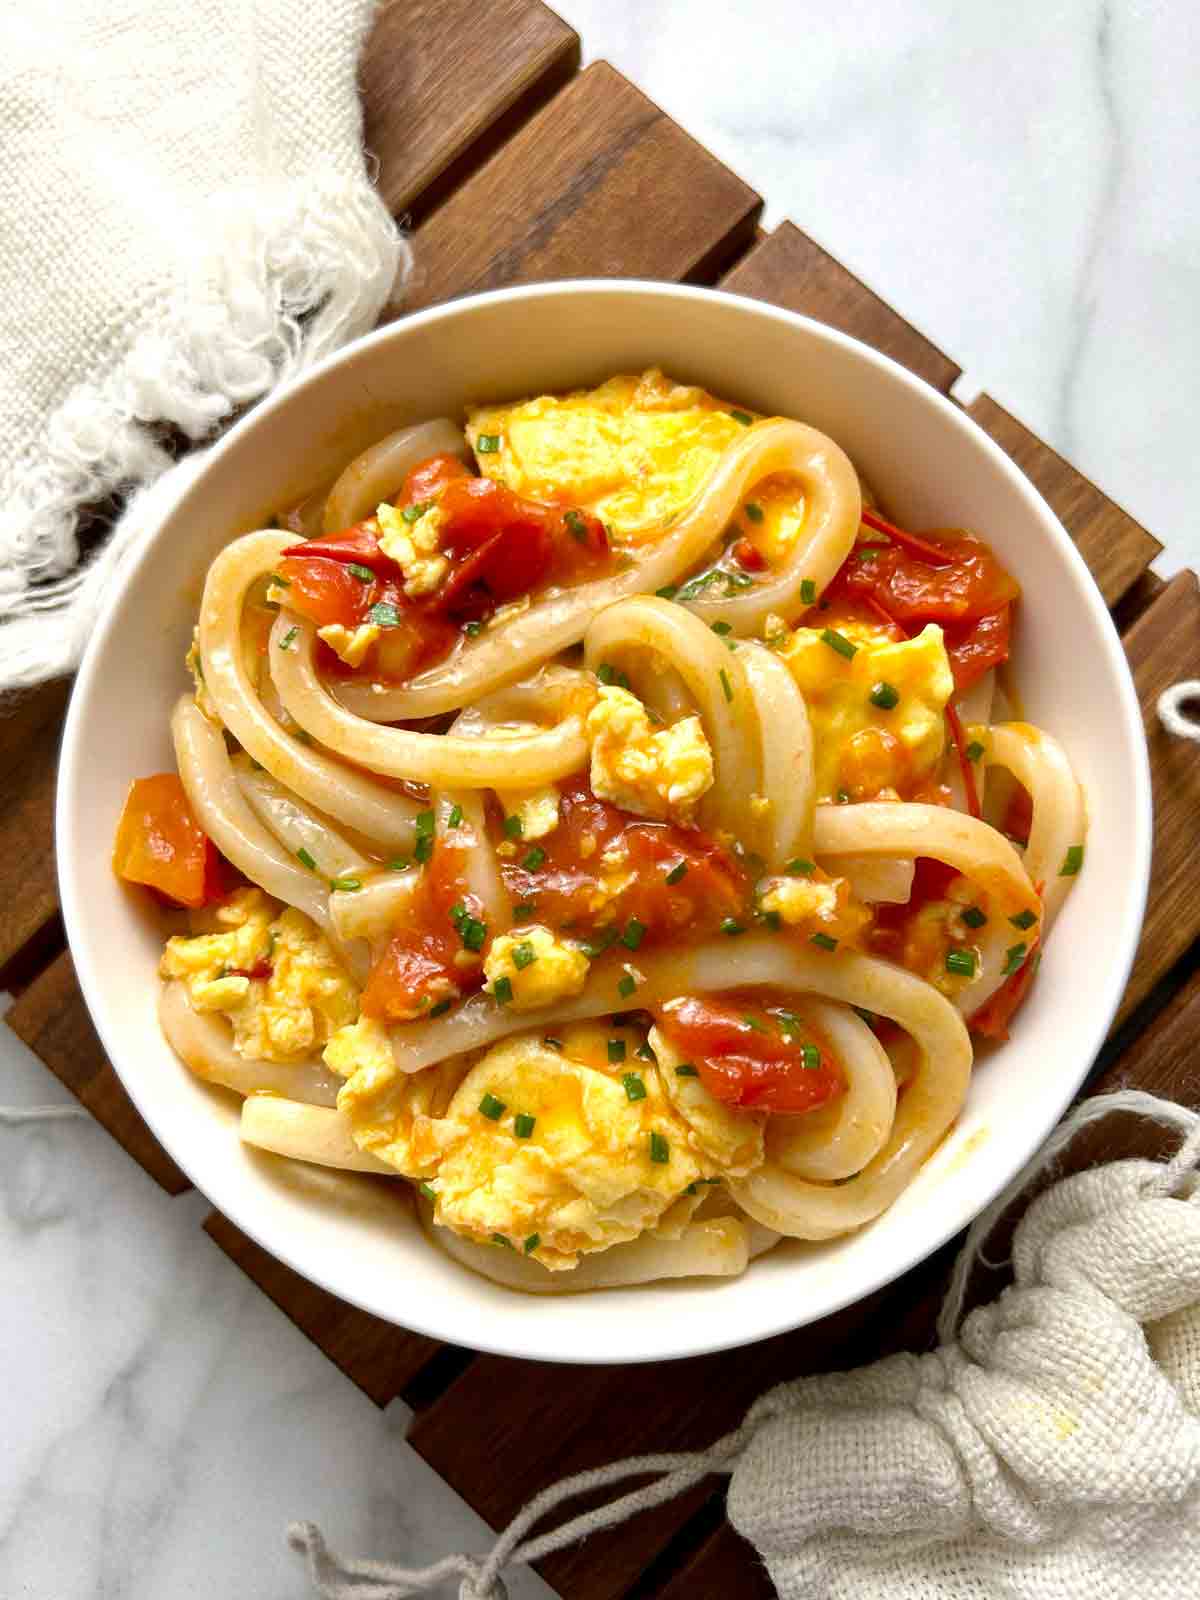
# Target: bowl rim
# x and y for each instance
(686, 1341)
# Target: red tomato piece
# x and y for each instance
(992, 1019)
(749, 557)
(359, 543)
(160, 844)
(428, 478)
(326, 591)
(745, 1059)
(421, 964)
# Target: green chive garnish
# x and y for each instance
(555, 1044)
(400, 864)
(429, 1191)
(345, 885)
(423, 848)
(679, 870)
(492, 1108)
(498, 1238)
(731, 926)
(472, 629)
(603, 941)
(534, 859)
(415, 512)
(616, 1049)
(808, 592)
(799, 868)
(626, 986)
(961, 963)
(722, 628)
(668, 591)
(974, 917)
(363, 574)
(726, 686)
(305, 859)
(1024, 919)
(885, 696)
(441, 1008)
(523, 1125)
(513, 827)
(286, 642)
(634, 933)
(839, 642)
(810, 1057)
(743, 417)
(502, 991)
(524, 955)
(1072, 862)
(532, 1243)
(789, 1024)
(576, 525)
(753, 511)
(644, 1052)
(454, 820)
(635, 1089)
(524, 908)
(1014, 959)
(472, 932)
(823, 941)
(753, 1022)
(660, 1150)
(487, 444)
(384, 615)
(685, 1069)
(974, 750)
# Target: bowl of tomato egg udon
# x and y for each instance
(607, 823)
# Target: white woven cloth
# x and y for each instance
(1049, 1451)
(185, 221)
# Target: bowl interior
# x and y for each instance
(356, 1237)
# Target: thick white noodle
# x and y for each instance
(1040, 765)
(839, 1138)
(560, 619)
(203, 1041)
(350, 797)
(377, 473)
(297, 826)
(434, 758)
(636, 632)
(974, 710)
(372, 912)
(785, 738)
(875, 880)
(319, 1134)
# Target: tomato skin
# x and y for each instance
(428, 478)
(325, 591)
(749, 557)
(743, 1059)
(992, 1019)
(160, 844)
(423, 961)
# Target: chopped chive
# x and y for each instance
(423, 848)
(284, 583)
(429, 1191)
(635, 932)
(627, 985)
(668, 591)
(472, 629)
(363, 574)
(384, 615)
(554, 1044)
(974, 750)
(753, 1022)
(1014, 959)
(286, 642)
(603, 941)
(532, 1243)
(400, 864)
(533, 859)
(498, 1238)
(472, 932)
(753, 511)
(743, 417)
(685, 1069)
(576, 525)
(961, 963)
(731, 926)
(644, 1052)
(810, 1057)
(305, 859)
(843, 797)
(424, 822)
(441, 1008)
(823, 941)
(524, 908)
(492, 1108)
(345, 885)
(839, 642)
(679, 870)
(524, 955)
(1024, 919)
(884, 695)
(974, 917)
(722, 628)
(789, 1023)
(415, 512)
(523, 1124)
(454, 820)
(487, 444)
(726, 686)
(798, 867)
(1072, 862)
(502, 991)
(634, 1088)
(616, 1049)
(660, 1150)
(773, 920)
(513, 827)
(808, 591)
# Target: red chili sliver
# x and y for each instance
(160, 844)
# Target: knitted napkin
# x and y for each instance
(185, 221)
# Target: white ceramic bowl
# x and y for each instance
(932, 466)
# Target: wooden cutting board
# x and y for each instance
(511, 166)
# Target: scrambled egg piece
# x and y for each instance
(536, 809)
(796, 900)
(859, 747)
(351, 644)
(290, 1011)
(415, 546)
(635, 452)
(660, 774)
(722, 1137)
(550, 1156)
(384, 1104)
(540, 968)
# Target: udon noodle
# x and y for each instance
(585, 817)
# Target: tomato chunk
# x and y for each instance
(992, 1019)
(160, 844)
(754, 1057)
(430, 959)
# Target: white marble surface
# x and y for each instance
(1022, 184)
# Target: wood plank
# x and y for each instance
(30, 729)
(570, 196)
(544, 1422)
(788, 269)
(1163, 646)
(1116, 548)
(376, 1356)
(53, 1021)
(437, 76)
